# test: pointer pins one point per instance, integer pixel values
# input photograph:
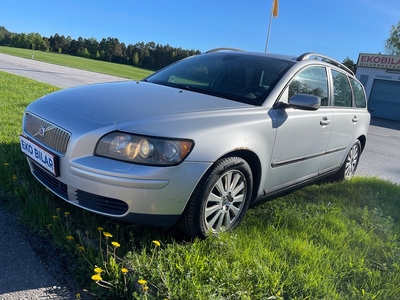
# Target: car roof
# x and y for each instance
(272, 55)
(305, 56)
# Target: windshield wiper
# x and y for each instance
(186, 87)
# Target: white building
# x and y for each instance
(380, 75)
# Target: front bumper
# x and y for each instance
(138, 194)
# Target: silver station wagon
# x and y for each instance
(198, 141)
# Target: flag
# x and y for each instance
(275, 8)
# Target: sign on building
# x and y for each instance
(379, 61)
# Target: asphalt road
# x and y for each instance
(23, 275)
(381, 156)
(59, 76)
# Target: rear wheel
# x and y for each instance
(220, 200)
(350, 164)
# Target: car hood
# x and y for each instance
(120, 101)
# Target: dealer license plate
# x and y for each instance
(43, 157)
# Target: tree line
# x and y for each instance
(143, 55)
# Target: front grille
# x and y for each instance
(47, 133)
(101, 204)
(49, 180)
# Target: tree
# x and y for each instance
(392, 44)
(350, 64)
(77, 47)
(36, 42)
(3, 30)
(135, 59)
(8, 38)
(21, 40)
(65, 44)
(45, 46)
(92, 45)
(55, 42)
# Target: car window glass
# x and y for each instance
(341, 89)
(359, 95)
(244, 78)
(196, 75)
(311, 81)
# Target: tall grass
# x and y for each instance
(326, 241)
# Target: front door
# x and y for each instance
(302, 135)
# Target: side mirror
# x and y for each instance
(305, 101)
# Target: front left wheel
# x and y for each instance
(220, 200)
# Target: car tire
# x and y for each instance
(220, 200)
(349, 167)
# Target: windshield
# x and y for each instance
(240, 77)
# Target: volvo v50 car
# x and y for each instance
(198, 141)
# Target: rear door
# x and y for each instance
(347, 96)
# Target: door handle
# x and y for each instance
(355, 119)
(325, 121)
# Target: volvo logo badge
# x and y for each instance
(42, 131)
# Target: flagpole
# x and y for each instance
(274, 2)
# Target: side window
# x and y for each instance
(359, 95)
(343, 96)
(311, 81)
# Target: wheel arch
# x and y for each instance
(255, 165)
(363, 141)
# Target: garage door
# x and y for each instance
(384, 100)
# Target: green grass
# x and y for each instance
(119, 70)
(327, 241)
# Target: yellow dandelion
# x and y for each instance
(54, 217)
(98, 270)
(107, 234)
(115, 244)
(145, 288)
(14, 177)
(6, 164)
(100, 228)
(70, 237)
(96, 277)
(49, 225)
(80, 247)
(67, 213)
(142, 281)
(124, 270)
(58, 209)
(157, 243)
(78, 296)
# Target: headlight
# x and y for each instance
(142, 149)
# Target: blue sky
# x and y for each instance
(337, 28)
